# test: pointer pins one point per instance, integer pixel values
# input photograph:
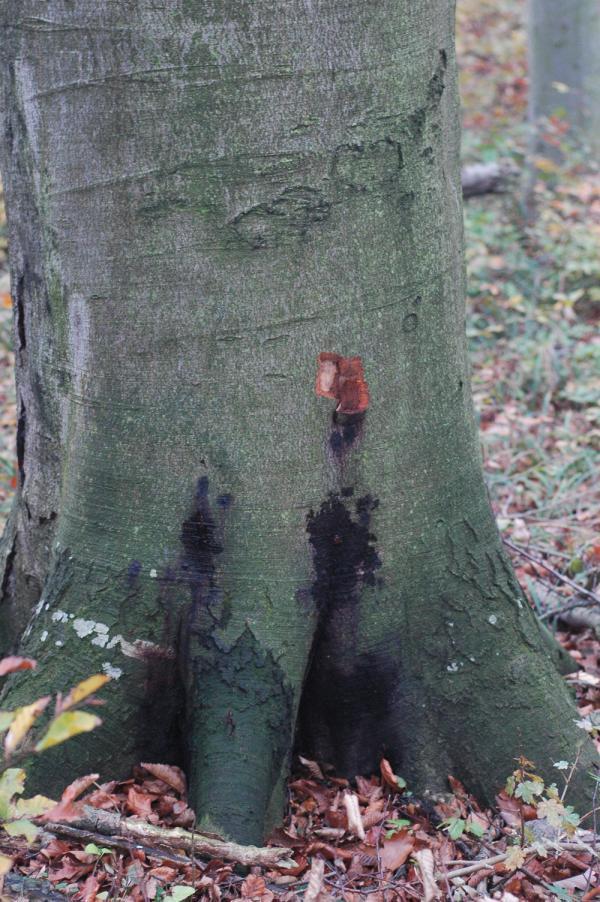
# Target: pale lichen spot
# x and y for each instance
(100, 639)
(60, 617)
(153, 573)
(113, 672)
(452, 668)
(44, 636)
(493, 619)
(83, 627)
(59, 643)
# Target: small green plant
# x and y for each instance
(24, 735)
(528, 788)
(394, 824)
(457, 826)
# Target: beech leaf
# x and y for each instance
(14, 663)
(23, 720)
(66, 725)
(84, 689)
(33, 807)
(21, 828)
(6, 718)
(12, 783)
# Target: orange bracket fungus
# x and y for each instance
(343, 379)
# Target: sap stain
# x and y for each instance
(347, 697)
(200, 547)
(346, 431)
(344, 554)
(133, 571)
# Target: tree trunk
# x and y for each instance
(202, 203)
(564, 70)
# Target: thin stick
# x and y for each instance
(556, 573)
(114, 842)
(477, 865)
(107, 823)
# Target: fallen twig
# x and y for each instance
(486, 178)
(114, 842)
(593, 598)
(113, 825)
(476, 866)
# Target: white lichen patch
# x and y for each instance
(452, 668)
(60, 617)
(59, 643)
(153, 573)
(493, 619)
(83, 627)
(113, 672)
(44, 636)
(101, 639)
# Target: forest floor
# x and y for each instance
(533, 313)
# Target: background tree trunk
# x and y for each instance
(201, 202)
(564, 69)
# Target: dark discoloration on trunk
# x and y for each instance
(344, 555)
(343, 715)
(165, 677)
(346, 431)
(21, 426)
(197, 567)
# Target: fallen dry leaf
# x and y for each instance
(395, 851)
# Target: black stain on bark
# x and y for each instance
(344, 554)
(345, 710)
(133, 571)
(346, 431)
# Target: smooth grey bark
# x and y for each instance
(203, 198)
(564, 69)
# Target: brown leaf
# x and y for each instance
(13, 663)
(139, 803)
(164, 873)
(329, 851)
(89, 890)
(254, 888)
(395, 851)
(74, 789)
(169, 774)
(388, 776)
(312, 767)
(374, 813)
